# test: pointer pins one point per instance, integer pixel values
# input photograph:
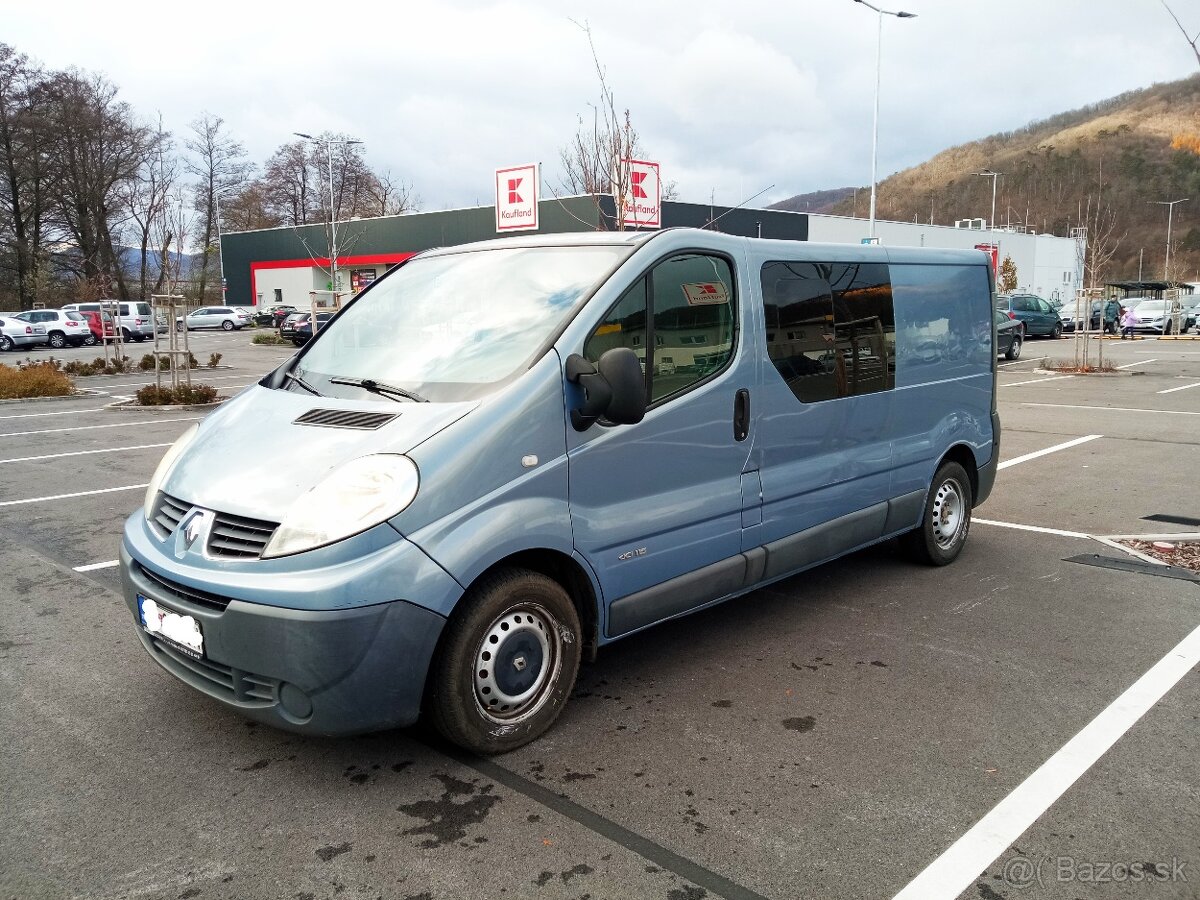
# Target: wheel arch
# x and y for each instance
(963, 455)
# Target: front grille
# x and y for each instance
(232, 536)
(243, 688)
(345, 418)
(239, 537)
(169, 513)
(173, 590)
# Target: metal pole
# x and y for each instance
(1170, 205)
(875, 118)
(220, 254)
(332, 230)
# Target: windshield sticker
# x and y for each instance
(708, 293)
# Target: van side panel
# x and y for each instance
(945, 369)
(478, 501)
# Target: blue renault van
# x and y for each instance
(502, 456)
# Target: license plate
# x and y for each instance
(176, 629)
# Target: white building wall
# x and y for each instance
(295, 284)
(1048, 266)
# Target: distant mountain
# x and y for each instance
(1125, 153)
(816, 202)
(131, 260)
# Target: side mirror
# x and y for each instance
(614, 388)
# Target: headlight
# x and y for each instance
(358, 496)
(164, 468)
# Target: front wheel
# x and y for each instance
(89, 341)
(506, 664)
(1014, 349)
(6, 343)
(946, 520)
(1057, 333)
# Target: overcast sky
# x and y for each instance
(729, 97)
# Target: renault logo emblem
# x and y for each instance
(193, 532)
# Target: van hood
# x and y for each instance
(251, 458)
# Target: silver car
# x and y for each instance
(224, 317)
(135, 317)
(16, 333)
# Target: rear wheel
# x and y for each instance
(506, 664)
(58, 340)
(1057, 333)
(227, 325)
(6, 343)
(946, 520)
(90, 340)
(1014, 349)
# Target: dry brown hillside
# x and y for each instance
(1122, 153)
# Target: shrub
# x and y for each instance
(267, 337)
(33, 380)
(214, 360)
(147, 362)
(193, 363)
(152, 395)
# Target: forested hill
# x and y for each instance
(1101, 166)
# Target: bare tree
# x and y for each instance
(287, 181)
(248, 208)
(24, 178)
(391, 197)
(1193, 42)
(591, 163)
(147, 198)
(219, 164)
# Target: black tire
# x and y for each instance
(89, 341)
(227, 325)
(6, 343)
(946, 519)
(511, 617)
(57, 340)
(1057, 333)
(1167, 330)
(1014, 349)
(179, 326)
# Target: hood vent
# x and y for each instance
(343, 418)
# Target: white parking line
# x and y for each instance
(1027, 359)
(1140, 362)
(955, 870)
(1180, 388)
(113, 425)
(112, 490)
(1055, 448)
(1037, 528)
(1165, 412)
(81, 453)
(65, 412)
(1035, 380)
(112, 563)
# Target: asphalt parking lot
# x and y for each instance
(831, 736)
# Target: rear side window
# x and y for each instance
(141, 309)
(831, 328)
(680, 320)
(75, 317)
(942, 322)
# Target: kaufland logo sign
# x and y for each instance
(517, 190)
(641, 207)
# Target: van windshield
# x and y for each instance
(456, 327)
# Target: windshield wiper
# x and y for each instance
(300, 381)
(376, 387)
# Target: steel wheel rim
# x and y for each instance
(949, 514)
(504, 692)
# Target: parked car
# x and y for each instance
(1154, 316)
(63, 329)
(100, 327)
(213, 317)
(135, 318)
(1191, 315)
(1038, 316)
(16, 333)
(475, 497)
(302, 331)
(1010, 335)
(273, 316)
(287, 328)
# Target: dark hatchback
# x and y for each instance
(1038, 316)
(1010, 335)
(302, 331)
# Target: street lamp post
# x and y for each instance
(900, 14)
(994, 176)
(329, 142)
(1170, 205)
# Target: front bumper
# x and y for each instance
(336, 671)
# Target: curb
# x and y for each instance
(132, 406)
(77, 395)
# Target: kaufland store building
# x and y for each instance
(278, 266)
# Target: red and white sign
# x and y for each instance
(517, 198)
(992, 250)
(641, 207)
(706, 293)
